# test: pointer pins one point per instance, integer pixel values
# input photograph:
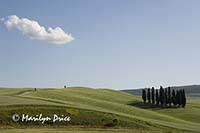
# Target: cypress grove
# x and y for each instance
(165, 97)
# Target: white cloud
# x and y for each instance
(34, 31)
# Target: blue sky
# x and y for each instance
(118, 44)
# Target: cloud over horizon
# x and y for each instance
(35, 31)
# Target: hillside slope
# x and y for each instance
(95, 105)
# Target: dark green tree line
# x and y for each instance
(164, 96)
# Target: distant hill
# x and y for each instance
(191, 90)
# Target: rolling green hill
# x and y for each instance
(95, 108)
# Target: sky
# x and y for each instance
(123, 44)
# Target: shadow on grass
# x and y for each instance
(151, 106)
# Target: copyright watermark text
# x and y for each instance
(40, 118)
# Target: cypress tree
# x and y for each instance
(144, 95)
(177, 98)
(148, 95)
(153, 95)
(173, 97)
(161, 95)
(165, 97)
(181, 97)
(169, 96)
(157, 97)
(184, 99)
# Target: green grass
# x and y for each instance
(95, 105)
(82, 130)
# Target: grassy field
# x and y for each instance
(95, 110)
(80, 130)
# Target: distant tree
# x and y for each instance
(144, 95)
(65, 86)
(165, 97)
(173, 97)
(178, 97)
(35, 89)
(169, 96)
(183, 99)
(177, 101)
(161, 95)
(153, 95)
(157, 97)
(148, 95)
